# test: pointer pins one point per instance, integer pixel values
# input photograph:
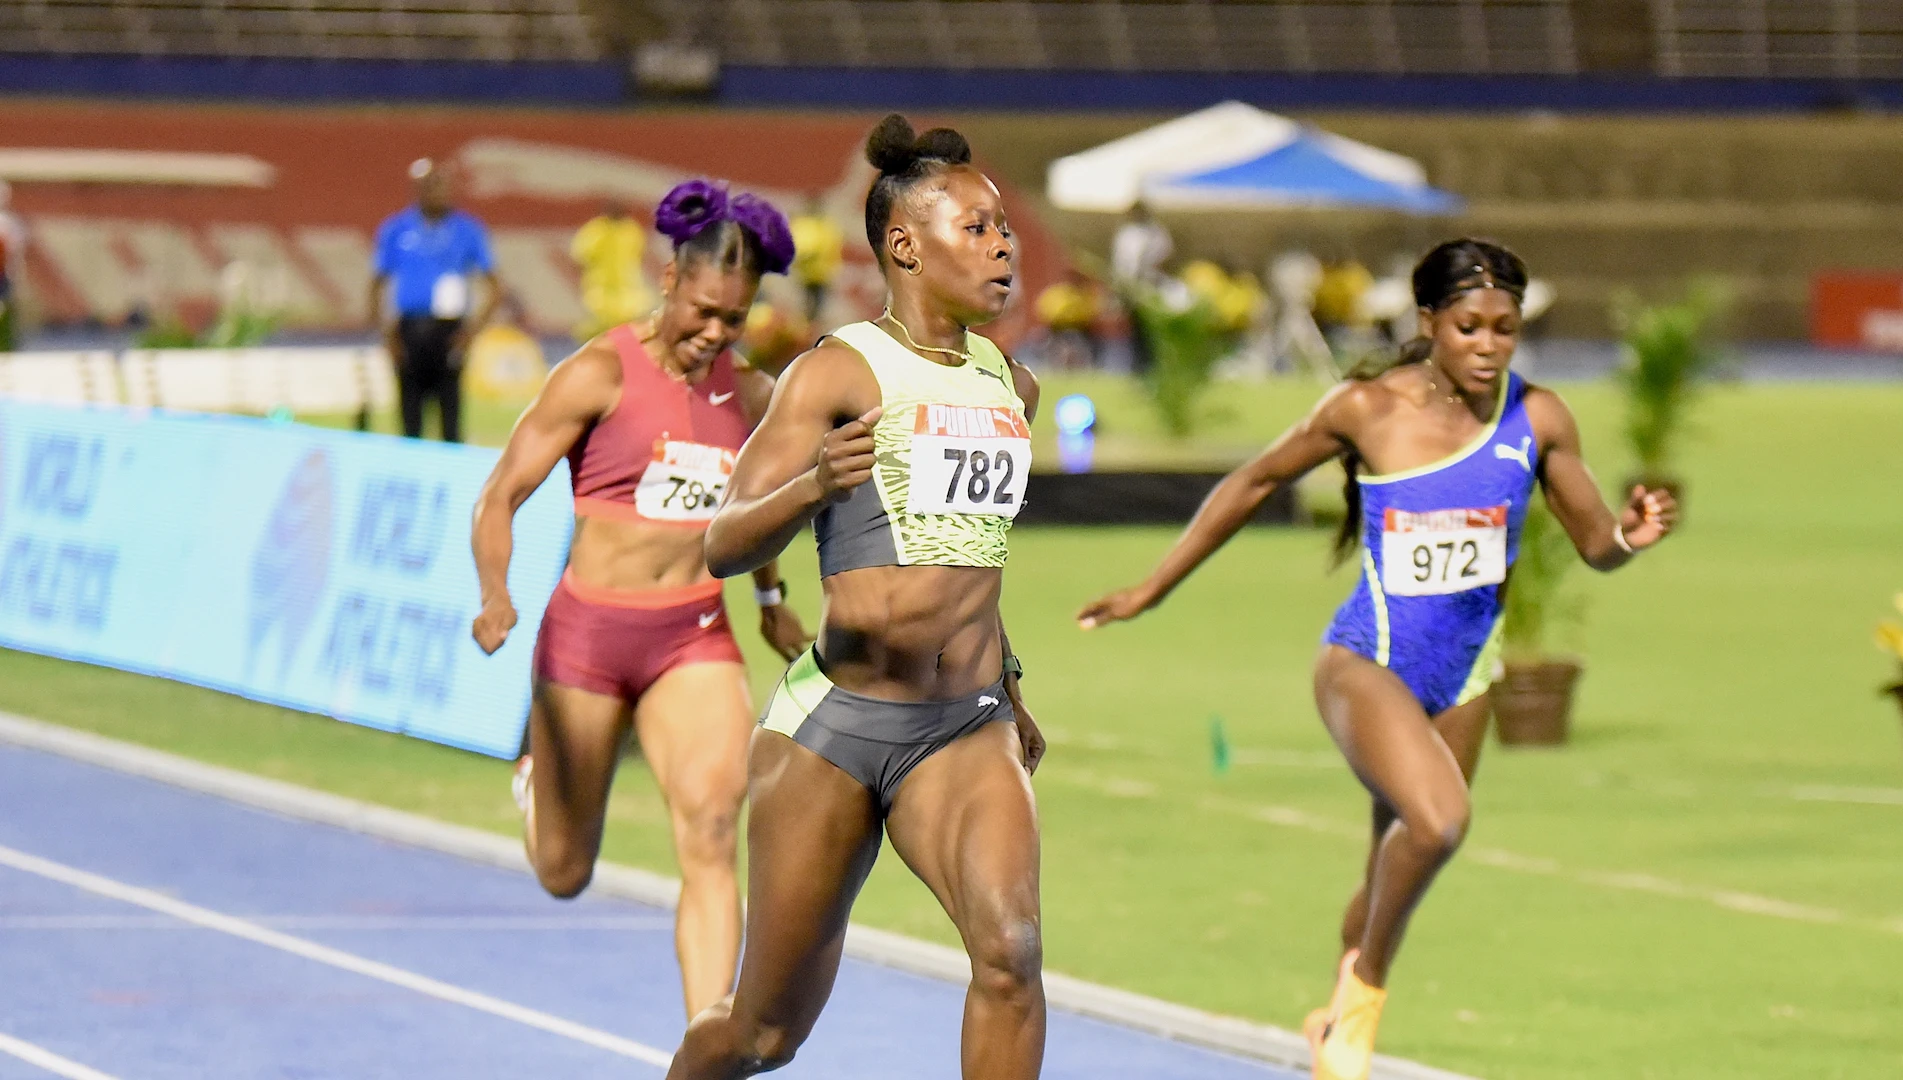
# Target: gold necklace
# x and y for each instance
(887, 314)
(1452, 399)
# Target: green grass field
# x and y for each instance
(1699, 886)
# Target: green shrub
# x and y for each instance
(1185, 343)
(1669, 349)
(1541, 613)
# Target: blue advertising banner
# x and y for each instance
(325, 571)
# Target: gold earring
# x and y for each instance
(914, 270)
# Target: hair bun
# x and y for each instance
(768, 227)
(690, 207)
(890, 145)
(943, 144)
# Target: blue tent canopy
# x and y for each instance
(1313, 170)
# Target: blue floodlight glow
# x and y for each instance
(1074, 414)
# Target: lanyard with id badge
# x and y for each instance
(968, 459)
(1437, 552)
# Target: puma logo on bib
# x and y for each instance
(968, 459)
(683, 482)
(1435, 552)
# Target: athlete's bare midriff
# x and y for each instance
(636, 555)
(912, 633)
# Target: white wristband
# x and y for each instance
(773, 597)
(1620, 537)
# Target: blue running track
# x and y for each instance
(148, 932)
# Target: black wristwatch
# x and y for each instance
(1010, 666)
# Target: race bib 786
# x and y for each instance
(1434, 552)
(683, 482)
(968, 459)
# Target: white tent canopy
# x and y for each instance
(1233, 155)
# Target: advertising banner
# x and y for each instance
(326, 571)
(1857, 310)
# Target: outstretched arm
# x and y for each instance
(1324, 433)
(1605, 540)
(796, 459)
(583, 388)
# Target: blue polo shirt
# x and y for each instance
(429, 261)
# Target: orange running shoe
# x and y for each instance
(1320, 1019)
(1346, 1052)
(1315, 1029)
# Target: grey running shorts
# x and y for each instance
(874, 741)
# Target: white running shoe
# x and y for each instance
(523, 788)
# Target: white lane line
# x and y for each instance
(409, 923)
(1731, 900)
(345, 961)
(48, 1060)
(1138, 1012)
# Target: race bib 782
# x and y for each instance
(968, 459)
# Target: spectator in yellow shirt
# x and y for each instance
(1337, 302)
(1068, 309)
(613, 287)
(817, 244)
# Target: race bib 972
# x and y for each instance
(1434, 552)
(968, 459)
(683, 482)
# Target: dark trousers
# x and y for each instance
(427, 367)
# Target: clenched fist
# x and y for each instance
(491, 625)
(846, 456)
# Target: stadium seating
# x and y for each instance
(1842, 39)
(1782, 38)
(497, 30)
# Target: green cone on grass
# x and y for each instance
(1222, 753)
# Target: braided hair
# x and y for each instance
(1445, 274)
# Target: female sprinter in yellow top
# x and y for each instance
(904, 441)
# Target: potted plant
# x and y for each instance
(1890, 637)
(1533, 699)
(1668, 351)
(1186, 338)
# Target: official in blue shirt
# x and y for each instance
(431, 254)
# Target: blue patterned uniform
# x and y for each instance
(1436, 544)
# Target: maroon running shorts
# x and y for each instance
(618, 642)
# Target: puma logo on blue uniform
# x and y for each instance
(1503, 452)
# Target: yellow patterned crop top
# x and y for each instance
(953, 454)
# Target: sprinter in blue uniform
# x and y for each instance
(1441, 453)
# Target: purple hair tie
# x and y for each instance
(769, 229)
(693, 205)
